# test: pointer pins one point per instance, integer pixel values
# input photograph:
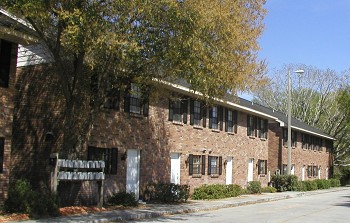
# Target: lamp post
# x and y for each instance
(289, 140)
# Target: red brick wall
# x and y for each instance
(6, 117)
(300, 157)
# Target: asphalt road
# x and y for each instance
(320, 208)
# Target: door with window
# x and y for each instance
(133, 172)
(175, 168)
(229, 170)
(250, 169)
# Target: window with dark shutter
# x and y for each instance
(184, 108)
(109, 155)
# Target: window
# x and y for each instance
(109, 155)
(2, 150)
(214, 165)
(215, 118)
(196, 164)
(231, 121)
(251, 123)
(329, 146)
(136, 101)
(198, 113)
(312, 171)
(178, 110)
(5, 62)
(294, 136)
(305, 141)
(262, 167)
(112, 100)
(262, 128)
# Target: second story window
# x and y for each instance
(251, 123)
(178, 110)
(262, 128)
(216, 117)
(294, 136)
(197, 113)
(231, 121)
(136, 101)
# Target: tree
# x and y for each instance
(317, 99)
(102, 45)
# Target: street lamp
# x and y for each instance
(289, 142)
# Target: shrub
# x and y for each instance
(22, 199)
(268, 189)
(166, 193)
(284, 182)
(300, 186)
(322, 184)
(254, 187)
(310, 185)
(18, 197)
(216, 191)
(123, 198)
(334, 182)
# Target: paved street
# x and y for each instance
(324, 207)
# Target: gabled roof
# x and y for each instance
(255, 109)
(15, 29)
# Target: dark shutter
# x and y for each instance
(203, 164)
(221, 117)
(171, 112)
(190, 162)
(211, 118)
(145, 107)
(220, 165)
(265, 167)
(226, 120)
(191, 112)
(266, 128)
(127, 101)
(259, 167)
(209, 165)
(248, 125)
(91, 153)
(204, 114)
(2, 150)
(114, 158)
(255, 123)
(184, 108)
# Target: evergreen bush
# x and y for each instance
(217, 191)
(166, 193)
(123, 198)
(254, 187)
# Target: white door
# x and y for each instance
(229, 170)
(175, 168)
(303, 173)
(292, 171)
(132, 172)
(327, 172)
(250, 169)
(319, 172)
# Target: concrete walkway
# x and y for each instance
(156, 210)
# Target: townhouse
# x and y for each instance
(170, 137)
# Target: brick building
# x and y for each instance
(173, 137)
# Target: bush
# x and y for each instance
(300, 186)
(322, 184)
(166, 193)
(284, 182)
(254, 187)
(334, 182)
(123, 198)
(216, 191)
(22, 199)
(268, 189)
(310, 185)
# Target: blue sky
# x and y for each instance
(311, 32)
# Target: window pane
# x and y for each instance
(196, 164)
